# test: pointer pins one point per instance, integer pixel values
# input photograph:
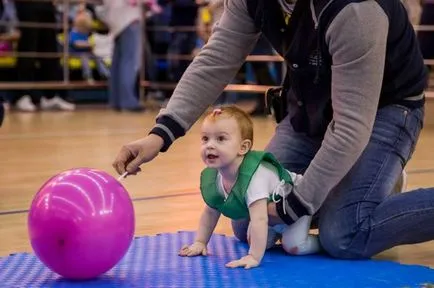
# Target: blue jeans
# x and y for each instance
(124, 73)
(99, 62)
(361, 216)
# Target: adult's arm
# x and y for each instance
(209, 73)
(357, 42)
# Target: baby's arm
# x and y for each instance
(82, 44)
(258, 229)
(207, 224)
(259, 234)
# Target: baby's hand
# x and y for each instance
(197, 248)
(247, 262)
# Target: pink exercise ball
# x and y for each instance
(81, 223)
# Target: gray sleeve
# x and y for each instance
(204, 80)
(357, 42)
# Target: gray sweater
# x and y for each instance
(357, 43)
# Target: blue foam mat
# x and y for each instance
(152, 261)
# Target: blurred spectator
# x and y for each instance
(80, 45)
(9, 35)
(209, 14)
(123, 19)
(184, 16)
(31, 69)
(155, 43)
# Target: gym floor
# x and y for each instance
(34, 147)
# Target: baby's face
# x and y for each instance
(82, 27)
(82, 23)
(221, 142)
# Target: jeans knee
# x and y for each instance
(343, 244)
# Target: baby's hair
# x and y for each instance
(243, 119)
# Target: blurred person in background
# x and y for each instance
(123, 18)
(159, 40)
(184, 17)
(79, 43)
(32, 69)
(151, 12)
(9, 35)
(210, 12)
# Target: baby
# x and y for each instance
(244, 184)
(80, 44)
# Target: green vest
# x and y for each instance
(235, 206)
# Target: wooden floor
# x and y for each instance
(34, 147)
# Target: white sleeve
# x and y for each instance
(263, 183)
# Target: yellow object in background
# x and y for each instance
(205, 16)
(74, 62)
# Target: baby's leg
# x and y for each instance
(296, 239)
(87, 71)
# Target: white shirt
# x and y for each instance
(119, 14)
(263, 183)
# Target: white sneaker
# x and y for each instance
(56, 103)
(25, 104)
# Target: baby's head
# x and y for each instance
(227, 134)
(83, 22)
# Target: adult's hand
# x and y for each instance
(134, 154)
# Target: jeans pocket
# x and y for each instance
(413, 127)
(392, 130)
(388, 125)
(410, 131)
